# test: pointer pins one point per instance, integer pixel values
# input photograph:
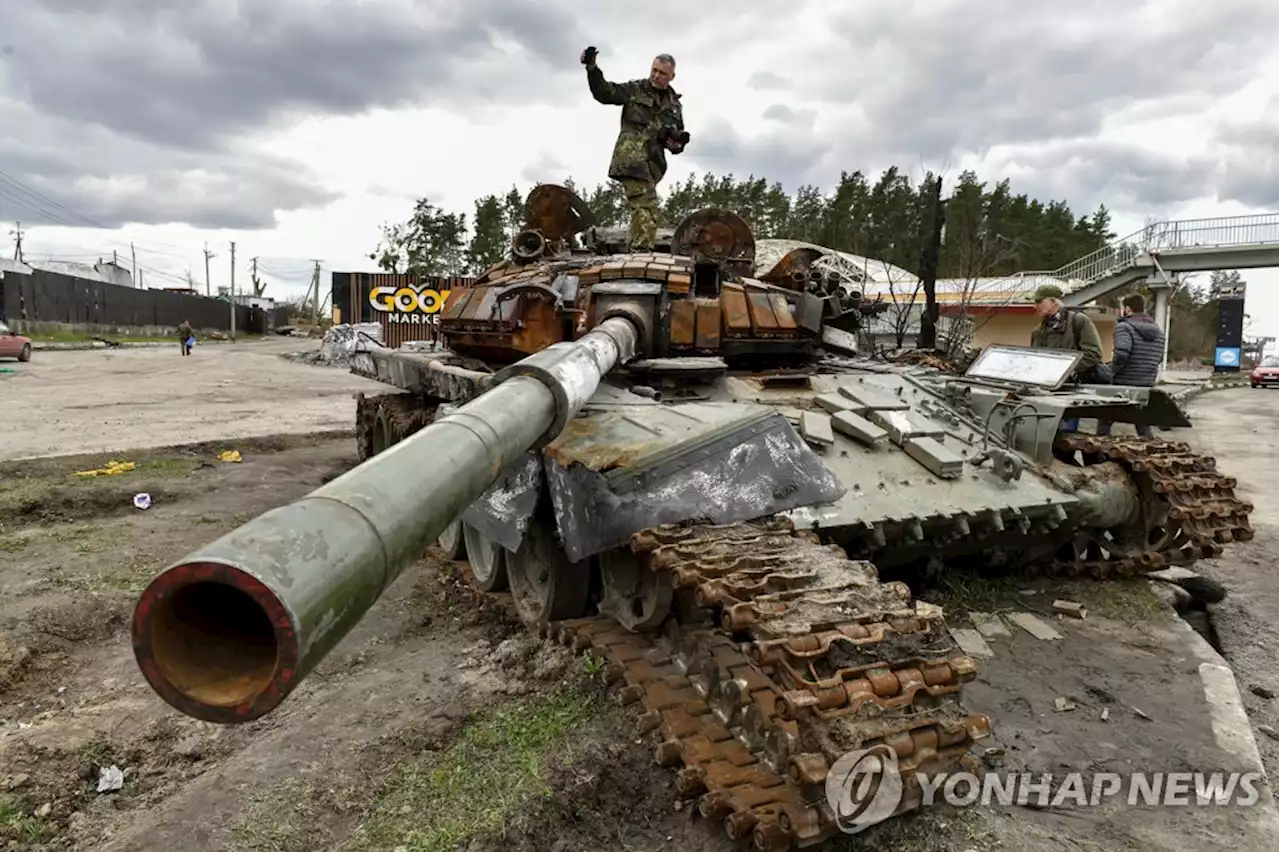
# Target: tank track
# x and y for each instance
(809, 657)
(1188, 507)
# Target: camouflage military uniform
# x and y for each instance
(639, 159)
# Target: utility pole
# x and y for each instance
(233, 292)
(134, 252)
(315, 300)
(208, 255)
(17, 248)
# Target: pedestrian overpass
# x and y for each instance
(1163, 251)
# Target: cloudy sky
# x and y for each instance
(296, 127)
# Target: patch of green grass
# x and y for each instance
(1130, 601)
(963, 592)
(17, 824)
(13, 543)
(474, 787)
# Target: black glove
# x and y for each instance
(589, 56)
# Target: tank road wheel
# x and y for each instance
(452, 542)
(488, 559)
(634, 596)
(545, 584)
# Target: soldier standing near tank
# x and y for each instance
(652, 124)
(1072, 330)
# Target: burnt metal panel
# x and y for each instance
(737, 319)
(747, 468)
(708, 323)
(502, 513)
(682, 322)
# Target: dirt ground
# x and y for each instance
(439, 723)
(130, 398)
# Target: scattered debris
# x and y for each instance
(1140, 714)
(1035, 626)
(142, 501)
(44, 810)
(1071, 608)
(971, 642)
(1062, 705)
(340, 341)
(229, 456)
(988, 624)
(1106, 714)
(112, 468)
(110, 778)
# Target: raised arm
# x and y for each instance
(605, 92)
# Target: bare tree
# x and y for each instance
(979, 254)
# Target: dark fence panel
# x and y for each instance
(53, 297)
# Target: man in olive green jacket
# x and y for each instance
(1063, 329)
(652, 124)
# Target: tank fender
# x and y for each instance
(502, 513)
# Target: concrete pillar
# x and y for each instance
(1162, 292)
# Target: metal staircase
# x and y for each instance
(1228, 242)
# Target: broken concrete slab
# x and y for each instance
(988, 624)
(1035, 626)
(971, 642)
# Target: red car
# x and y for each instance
(14, 345)
(1266, 373)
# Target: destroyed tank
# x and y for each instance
(676, 460)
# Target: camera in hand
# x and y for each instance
(669, 133)
(588, 56)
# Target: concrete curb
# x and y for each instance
(1191, 392)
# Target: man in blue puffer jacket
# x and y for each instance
(1136, 354)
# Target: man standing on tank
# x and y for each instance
(652, 124)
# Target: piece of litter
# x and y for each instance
(44, 810)
(110, 778)
(1062, 705)
(1070, 608)
(229, 456)
(142, 501)
(1106, 714)
(971, 642)
(113, 468)
(1141, 715)
(1034, 626)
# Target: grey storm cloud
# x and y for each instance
(163, 89)
(935, 78)
(791, 116)
(1250, 170)
(1090, 172)
(788, 158)
(765, 79)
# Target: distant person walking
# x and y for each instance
(186, 337)
(1137, 350)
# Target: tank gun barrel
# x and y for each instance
(227, 632)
